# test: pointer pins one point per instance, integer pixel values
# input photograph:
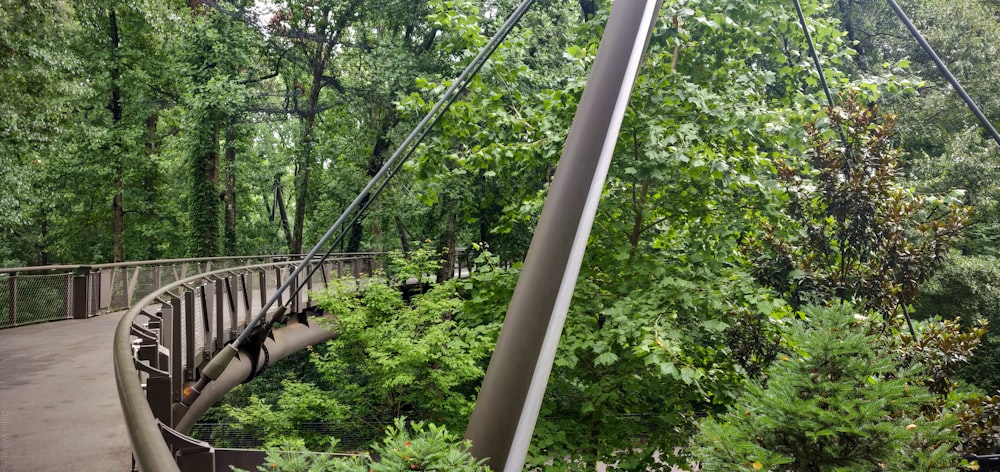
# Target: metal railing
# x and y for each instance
(47, 293)
(164, 340)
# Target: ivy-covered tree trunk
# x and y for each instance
(229, 193)
(204, 198)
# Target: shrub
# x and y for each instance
(834, 401)
(419, 446)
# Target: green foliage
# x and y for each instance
(943, 348)
(391, 359)
(836, 401)
(853, 231)
(423, 447)
(420, 263)
(291, 456)
(298, 404)
(419, 446)
(969, 287)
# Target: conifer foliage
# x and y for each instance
(834, 401)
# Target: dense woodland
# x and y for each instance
(753, 243)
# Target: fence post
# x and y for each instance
(12, 299)
(81, 294)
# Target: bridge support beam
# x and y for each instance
(504, 417)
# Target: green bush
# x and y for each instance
(419, 446)
(836, 401)
(969, 287)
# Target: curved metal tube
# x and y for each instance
(150, 451)
(149, 448)
(285, 342)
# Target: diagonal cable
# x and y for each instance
(218, 364)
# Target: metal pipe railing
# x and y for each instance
(146, 431)
(85, 290)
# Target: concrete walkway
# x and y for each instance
(59, 406)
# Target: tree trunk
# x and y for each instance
(404, 236)
(847, 17)
(449, 258)
(149, 181)
(375, 162)
(204, 197)
(639, 203)
(320, 58)
(229, 193)
(279, 206)
(43, 240)
(203, 239)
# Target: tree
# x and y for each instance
(853, 231)
(214, 62)
(36, 67)
(835, 401)
(122, 49)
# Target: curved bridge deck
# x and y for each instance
(59, 407)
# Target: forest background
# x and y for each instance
(143, 129)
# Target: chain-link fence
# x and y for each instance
(33, 297)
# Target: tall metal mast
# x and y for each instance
(503, 420)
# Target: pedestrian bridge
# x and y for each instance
(161, 321)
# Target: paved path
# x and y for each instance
(59, 406)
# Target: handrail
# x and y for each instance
(85, 290)
(146, 432)
(111, 265)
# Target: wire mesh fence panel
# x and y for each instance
(167, 274)
(119, 287)
(146, 283)
(42, 297)
(270, 284)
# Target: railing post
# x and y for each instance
(263, 286)
(245, 289)
(231, 292)
(309, 285)
(277, 284)
(220, 320)
(81, 294)
(190, 361)
(12, 298)
(207, 300)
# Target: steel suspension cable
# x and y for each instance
(822, 80)
(392, 172)
(218, 363)
(813, 53)
(840, 128)
(944, 71)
